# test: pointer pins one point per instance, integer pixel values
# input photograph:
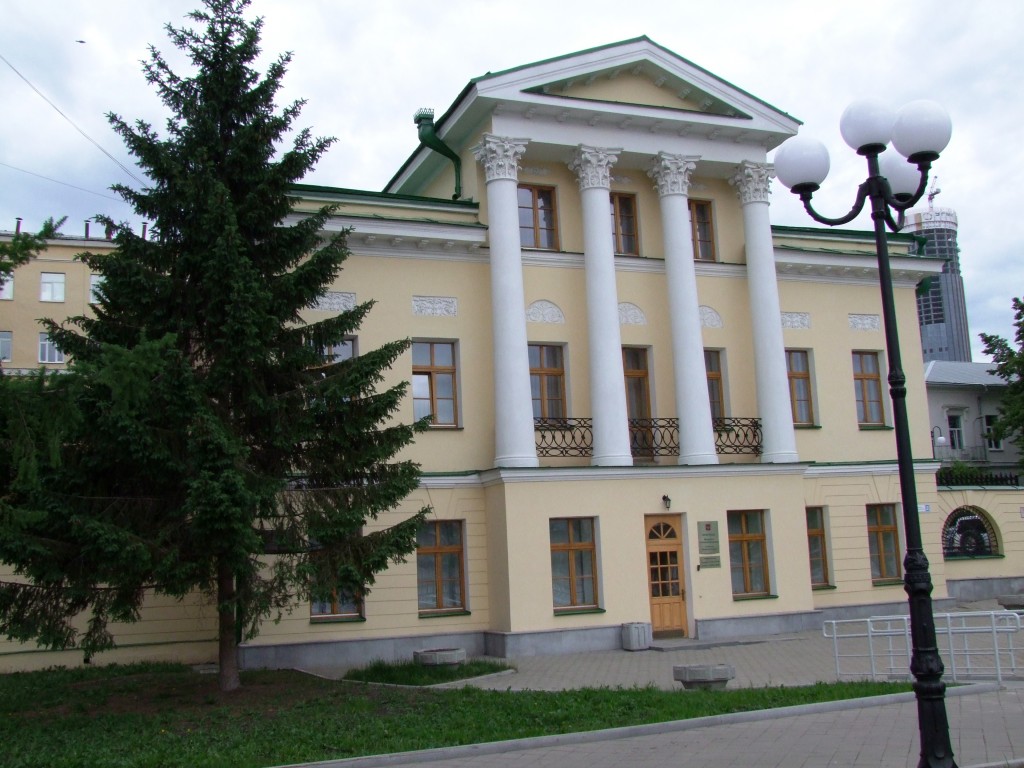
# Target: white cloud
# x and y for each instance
(365, 68)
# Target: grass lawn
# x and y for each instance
(168, 715)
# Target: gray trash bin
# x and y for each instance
(636, 636)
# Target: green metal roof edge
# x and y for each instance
(642, 38)
(314, 188)
(848, 234)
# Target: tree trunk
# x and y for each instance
(227, 646)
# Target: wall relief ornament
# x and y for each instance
(709, 318)
(753, 182)
(593, 166)
(543, 311)
(631, 314)
(672, 173)
(335, 301)
(435, 306)
(799, 320)
(865, 322)
(499, 156)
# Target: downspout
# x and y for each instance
(424, 119)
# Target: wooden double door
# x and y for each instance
(665, 583)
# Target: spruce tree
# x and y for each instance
(214, 446)
(1008, 360)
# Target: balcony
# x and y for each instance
(974, 454)
(649, 438)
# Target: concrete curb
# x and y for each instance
(652, 729)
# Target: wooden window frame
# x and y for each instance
(617, 201)
(570, 548)
(818, 534)
(863, 383)
(795, 376)
(716, 382)
(432, 371)
(544, 373)
(337, 610)
(535, 227)
(880, 536)
(744, 538)
(710, 252)
(438, 550)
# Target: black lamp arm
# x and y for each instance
(805, 192)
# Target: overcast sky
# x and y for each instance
(365, 67)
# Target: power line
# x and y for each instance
(56, 181)
(117, 162)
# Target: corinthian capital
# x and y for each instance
(499, 156)
(593, 166)
(672, 173)
(753, 182)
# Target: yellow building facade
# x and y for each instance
(653, 411)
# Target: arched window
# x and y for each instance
(968, 532)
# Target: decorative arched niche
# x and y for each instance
(968, 532)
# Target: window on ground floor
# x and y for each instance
(816, 546)
(968, 532)
(748, 552)
(440, 566)
(573, 563)
(883, 542)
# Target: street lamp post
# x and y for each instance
(919, 132)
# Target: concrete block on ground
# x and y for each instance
(704, 676)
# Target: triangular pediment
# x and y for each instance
(640, 84)
(637, 76)
(652, 98)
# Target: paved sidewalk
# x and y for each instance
(986, 722)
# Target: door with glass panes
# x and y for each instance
(665, 574)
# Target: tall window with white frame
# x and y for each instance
(547, 381)
(95, 283)
(538, 224)
(867, 385)
(624, 228)
(748, 553)
(716, 389)
(573, 563)
(991, 442)
(49, 352)
(883, 543)
(434, 383)
(798, 366)
(702, 230)
(440, 567)
(51, 286)
(816, 547)
(7, 289)
(6, 346)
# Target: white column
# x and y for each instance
(753, 185)
(514, 444)
(693, 406)
(607, 382)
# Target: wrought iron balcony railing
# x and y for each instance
(574, 438)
